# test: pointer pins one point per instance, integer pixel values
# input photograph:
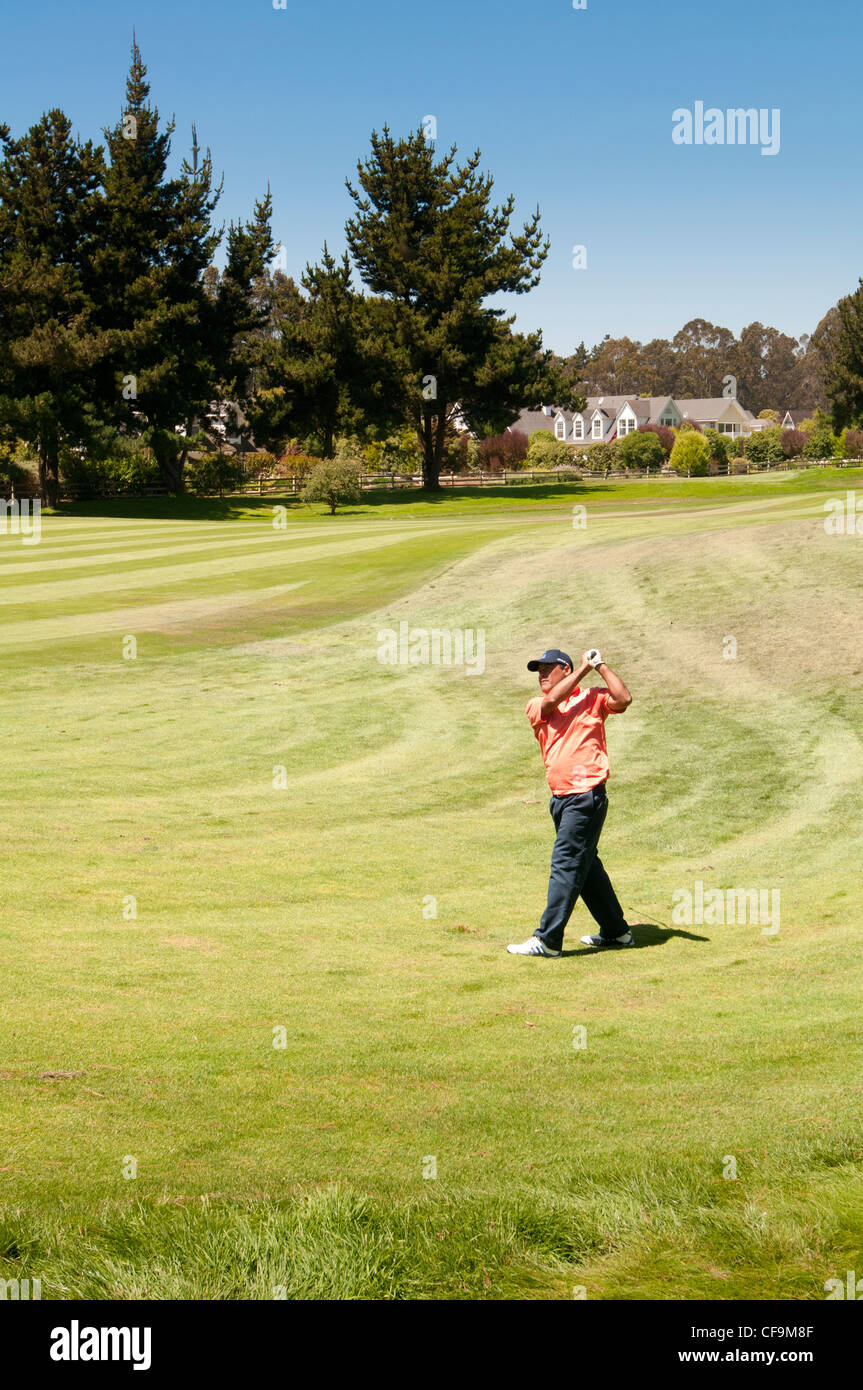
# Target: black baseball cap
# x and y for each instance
(552, 657)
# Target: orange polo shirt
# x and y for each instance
(572, 739)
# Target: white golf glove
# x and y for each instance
(594, 656)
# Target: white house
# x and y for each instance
(611, 417)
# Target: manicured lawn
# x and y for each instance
(167, 909)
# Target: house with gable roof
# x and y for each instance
(611, 417)
(793, 419)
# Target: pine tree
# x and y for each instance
(49, 344)
(845, 376)
(243, 302)
(428, 243)
(240, 302)
(315, 378)
(157, 241)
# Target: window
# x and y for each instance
(667, 420)
(626, 426)
(578, 428)
(596, 428)
(560, 428)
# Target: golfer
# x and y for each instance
(569, 724)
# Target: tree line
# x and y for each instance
(111, 335)
(765, 369)
(118, 334)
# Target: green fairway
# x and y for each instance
(252, 824)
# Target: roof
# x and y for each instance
(709, 407)
(701, 409)
(529, 421)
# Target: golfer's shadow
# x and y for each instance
(644, 934)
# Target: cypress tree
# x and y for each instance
(50, 346)
(240, 304)
(845, 376)
(427, 241)
(157, 240)
(315, 376)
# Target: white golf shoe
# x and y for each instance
(602, 941)
(532, 947)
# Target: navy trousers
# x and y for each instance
(577, 870)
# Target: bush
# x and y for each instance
(686, 425)
(822, 444)
(472, 462)
(126, 476)
(792, 443)
(296, 465)
(852, 444)
(11, 470)
(640, 450)
(738, 465)
(718, 447)
(663, 433)
(459, 454)
(765, 446)
(298, 449)
(213, 473)
(544, 451)
(513, 447)
(691, 453)
(261, 463)
(600, 455)
(333, 481)
(400, 453)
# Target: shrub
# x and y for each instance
(739, 465)
(765, 446)
(600, 455)
(852, 444)
(640, 450)
(213, 473)
(126, 476)
(691, 453)
(296, 465)
(718, 447)
(333, 481)
(822, 443)
(544, 451)
(792, 443)
(462, 456)
(472, 461)
(261, 462)
(663, 433)
(513, 446)
(347, 447)
(11, 470)
(686, 425)
(294, 450)
(400, 453)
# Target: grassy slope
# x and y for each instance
(409, 1035)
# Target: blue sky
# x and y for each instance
(572, 110)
